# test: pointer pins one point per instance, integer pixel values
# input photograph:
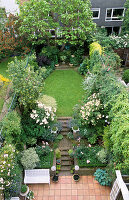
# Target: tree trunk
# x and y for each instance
(62, 48)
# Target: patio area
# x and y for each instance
(67, 189)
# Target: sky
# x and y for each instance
(10, 6)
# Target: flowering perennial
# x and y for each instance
(119, 41)
(90, 112)
(43, 115)
(6, 166)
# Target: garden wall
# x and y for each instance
(124, 55)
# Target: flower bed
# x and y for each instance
(87, 156)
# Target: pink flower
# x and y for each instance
(88, 161)
(108, 69)
(89, 145)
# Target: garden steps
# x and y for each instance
(64, 146)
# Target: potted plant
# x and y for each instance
(54, 129)
(55, 178)
(76, 177)
(63, 58)
(71, 60)
(56, 61)
(30, 195)
(75, 129)
(24, 190)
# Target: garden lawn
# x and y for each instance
(65, 87)
(3, 66)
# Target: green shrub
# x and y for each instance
(102, 177)
(29, 158)
(46, 161)
(43, 150)
(58, 153)
(12, 127)
(125, 76)
(83, 69)
(27, 83)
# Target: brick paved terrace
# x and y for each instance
(67, 189)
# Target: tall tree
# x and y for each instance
(71, 20)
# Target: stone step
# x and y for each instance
(65, 148)
(65, 129)
(65, 168)
(65, 163)
(64, 133)
(64, 118)
(65, 173)
(63, 158)
(64, 153)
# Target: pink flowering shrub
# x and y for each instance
(43, 114)
(90, 112)
(7, 164)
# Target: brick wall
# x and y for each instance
(124, 55)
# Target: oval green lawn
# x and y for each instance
(66, 87)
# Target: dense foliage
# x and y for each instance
(125, 76)
(12, 127)
(70, 21)
(27, 83)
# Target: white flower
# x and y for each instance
(37, 121)
(88, 161)
(5, 155)
(40, 105)
(34, 111)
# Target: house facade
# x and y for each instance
(106, 13)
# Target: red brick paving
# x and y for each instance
(67, 189)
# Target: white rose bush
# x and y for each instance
(43, 115)
(90, 112)
(7, 164)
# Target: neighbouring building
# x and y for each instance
(108, 14)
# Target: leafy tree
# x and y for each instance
(125, 27)
(72, 20)
(26, 83)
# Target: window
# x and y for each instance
(113, 14)
(116, 30)
(96, 13)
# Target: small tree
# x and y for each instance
(26, 83)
